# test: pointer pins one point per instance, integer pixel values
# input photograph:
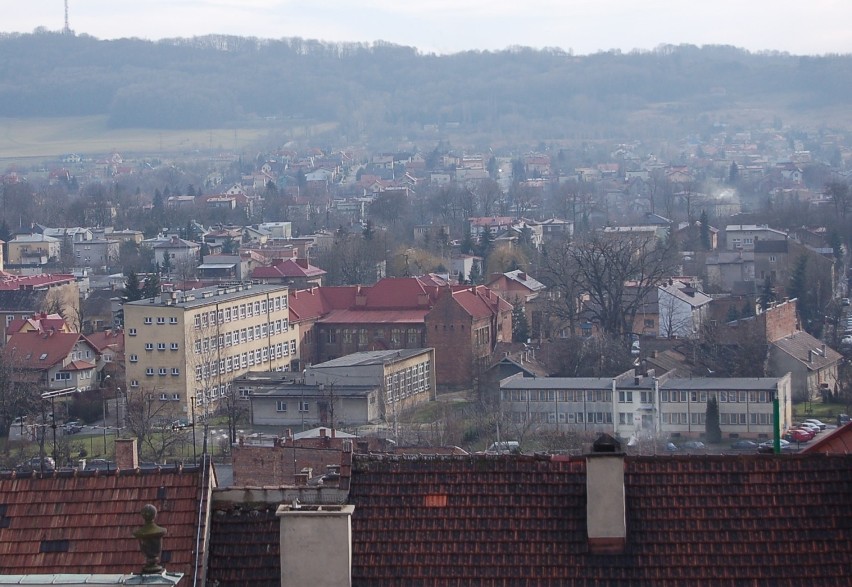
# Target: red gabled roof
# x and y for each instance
(399, 293)
(307, 304)
(10, 282)
(479, 301)
(103, 339)
(39, 322)
(839, 441)
(74, 522)
(41, 350)
(287, 268)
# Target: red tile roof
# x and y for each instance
(287, 268)
(13, 282)
(82, 522)
(838, 441)
(37, 350)
(521, 520)
(479, 301)
(375, 317)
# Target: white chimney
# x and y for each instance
(316, 545)
(606, 520)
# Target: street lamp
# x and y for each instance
(52, 395)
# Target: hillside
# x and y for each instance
(217, 82)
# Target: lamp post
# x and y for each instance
(52, 395)
(118, 422)
(104, 404)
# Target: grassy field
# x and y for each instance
(36, 138)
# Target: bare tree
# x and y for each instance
(613, 274)
(149, 420)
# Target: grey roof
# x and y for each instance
(558, 383)
(770, 246)
(722, 383)
(529, 282)
(371, 358)
(297, 390)
(196, 298)
(808, 350)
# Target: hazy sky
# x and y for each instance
(446, 26)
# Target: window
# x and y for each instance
(625, 397)
(161, 346)
(304, 406)
(281, 406)
(174, 346)
(176, 371)
(161, 319)
(164, 397)
(198, 321)
(132, 332)
(173, 320)
(148, 320)
(645, 397)
(149, 371)
(62, 376)
(134, 383)
(292, 346)
(149, 346)
(176, 397)
(648, 323)
(134, 358)
(163, 371)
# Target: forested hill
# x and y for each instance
(216, 80)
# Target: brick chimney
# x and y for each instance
(606, 520)
(126, 456)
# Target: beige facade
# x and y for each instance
(186, 348)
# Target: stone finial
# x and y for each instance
(150, 537)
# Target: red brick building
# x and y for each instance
(462, 323)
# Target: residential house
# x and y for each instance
(688, 236)
(744, 236)
(98, 253)
(53, 359)
(682, 309)
(32, 250)
(25, 295)
(175, 249)
(811, 362)
(730, 270)
(38, 322)
(518, 287)
(296, 273)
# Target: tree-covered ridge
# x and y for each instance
(213, 80)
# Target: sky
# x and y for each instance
(450, 26)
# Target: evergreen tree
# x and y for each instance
(132, 287)
(520, 324)
(166, 267)
(733, 314)
(733, 173)
(152, 285)
(368, 231)
(475, 274)
(705, 231)
(767, 296)
(467, 243)
(486, 242)
(805, 302)
(712, 429)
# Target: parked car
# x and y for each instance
(846, 340)
(842, 419)
(181, 424)
(671, 447)
(844, 302)
(37, 464)
(822, 425)
(816, 429)
(693, 444)
(744, 445)
(797, 435)
(100, 465)
(769, 446)
(72, 427)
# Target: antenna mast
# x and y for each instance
(67, 29)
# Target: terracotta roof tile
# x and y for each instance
(244, 545)
(697, 520)
(96, 513)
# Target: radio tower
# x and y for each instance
(67, 29)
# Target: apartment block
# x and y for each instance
(184, 348)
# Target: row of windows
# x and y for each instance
(248, 334)
(66, 375)
(160, 320)
(626, 397)
(721, 396)
(410, 336)
(244, 360)
(281, 406)
(162, 371)
(554, 395)
(240, 311)
(569, 417)
(725, 419)
(409, 381)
